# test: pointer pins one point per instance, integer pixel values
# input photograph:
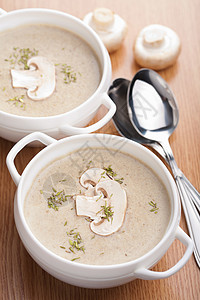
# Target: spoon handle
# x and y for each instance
(187, 197)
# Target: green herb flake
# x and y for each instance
(18, 100)
(88, 219)
(154, 208)
(99, 198)
(69, 75)
(75, 258)
(119, 180)
(107, 212)
(71, 249)
(21, 57)
(75, 241)
(63, 180)
(57, 198)
(113, 174)
(62, 247)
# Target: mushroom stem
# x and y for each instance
(110, 27)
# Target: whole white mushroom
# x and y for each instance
(157, 47)
(110, 27)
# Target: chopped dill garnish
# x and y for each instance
(88, 219)
(89, 164)
(107, 210)
(18, 101)
(57, 198)
(110, 171)
(69, 75)
(154, 208)
(75, 241)
(99, 198)
(75, 258)
(113, 174)
(71, 250)
(119, 180)
(21, 56)
(63, 180)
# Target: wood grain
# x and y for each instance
(20, 276)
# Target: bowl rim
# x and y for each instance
(174, 217)
(106, 66)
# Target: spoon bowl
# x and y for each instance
(152, 106)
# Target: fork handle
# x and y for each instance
(195, 196)
(187, 195)
(191, 215)
(194, 193)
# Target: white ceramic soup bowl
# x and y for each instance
(13, 127)
(94, 276)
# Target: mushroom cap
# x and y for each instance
(39, 79)
(157, 47)
(110, 27)
(92, 176)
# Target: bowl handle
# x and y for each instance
(144, 273)
(2, 12)
(106, 100)
(35, 136)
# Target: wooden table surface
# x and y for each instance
(20, 276)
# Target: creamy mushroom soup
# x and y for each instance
(107, 209)
(45, 71)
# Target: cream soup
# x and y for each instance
(62, 231)
(77, 69)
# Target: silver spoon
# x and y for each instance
(118, 93)
(154, 113)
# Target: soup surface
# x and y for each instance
(77, 69)
(62, 231)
